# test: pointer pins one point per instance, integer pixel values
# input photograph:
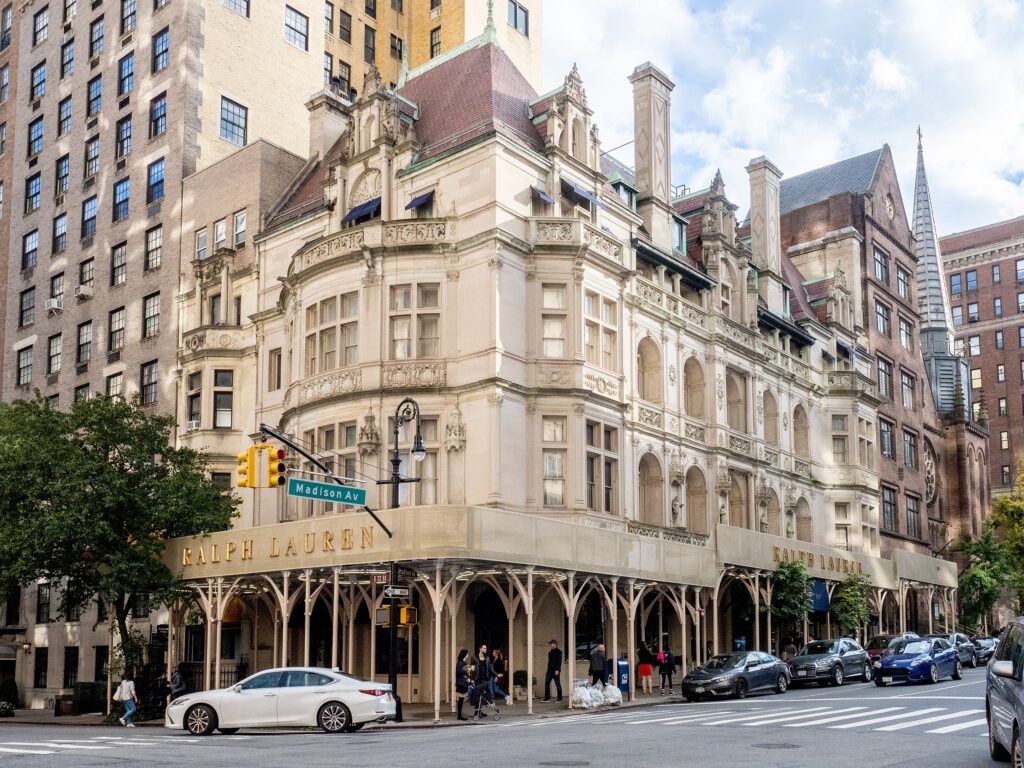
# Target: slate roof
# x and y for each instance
(308, 193)
(799, 306)
(691, 207)
(851, 175)
(981, 236)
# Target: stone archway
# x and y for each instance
(651, 485)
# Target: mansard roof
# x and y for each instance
(853, 175)
(990, 234)
(307, 192)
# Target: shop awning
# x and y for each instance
(844, 349)
(538, 192)
(416, 202)
(369, 208)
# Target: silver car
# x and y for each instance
(1004, 696)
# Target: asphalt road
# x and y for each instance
(857, 725)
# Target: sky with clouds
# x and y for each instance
(809, 83)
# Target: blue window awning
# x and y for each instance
(542, 195)
(424, 199)
(369, 208)
(844, 349)
(569, 189)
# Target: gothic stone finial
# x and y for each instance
(489, 27)
(718, 184)
(403, 73)
(919, 138)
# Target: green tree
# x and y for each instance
(989, 569)
(791, 594)
(89, 496)
(1008, 518)
(850, 602)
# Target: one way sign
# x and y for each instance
(392, 591)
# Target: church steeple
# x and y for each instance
(932, 299)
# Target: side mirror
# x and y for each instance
(751, 666)
(236, 688)
(1002, 669)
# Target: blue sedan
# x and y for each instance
(918, 661)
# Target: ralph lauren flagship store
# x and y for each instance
(308, 592)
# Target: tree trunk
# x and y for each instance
(121, 614)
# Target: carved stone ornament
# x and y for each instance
(720, 389)
(930, 480)
(455, 432)
(330, 385)
(415, 232)
(676, 472)
(336, 245)
(672, 374)
(760, 407)
(405, 375)
(366, 188)
(208, 269)
(601, 385)
(369, 436)
(574, 87)
(194, 341)
(555, 377)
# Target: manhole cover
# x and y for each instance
(775, 746)
(566, 763)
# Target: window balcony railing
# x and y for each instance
(567, 231)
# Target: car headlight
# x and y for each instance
(179, 702)
(716, 680)
(823, 664)
(919, 662)
(877, 665)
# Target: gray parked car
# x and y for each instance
(1004, 696)
(964, 646)
(736, 674)
(830, 661)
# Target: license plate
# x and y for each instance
(801, 673)
(700, 689)
(886, 679)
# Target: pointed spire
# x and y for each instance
(717, 184)
(490, 31)
(932, 299)
(403, 73)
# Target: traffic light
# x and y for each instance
(276, 467)
(247, 468)
(407, 615)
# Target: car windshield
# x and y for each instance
(726, 662)
(911, 646)
(878, 643)
(985, 643)
(819, 646)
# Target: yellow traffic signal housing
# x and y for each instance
(407, 615)
(247, 468)
(276, 467)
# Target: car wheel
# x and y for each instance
(333, 717)
(837, 675)
(973, 661)
(782, 684)
(227, 731)
(1017, 757)
(995, 749)
(933, 674)
(200, 720)
(958, 671)
(867, 672)
(741, 689)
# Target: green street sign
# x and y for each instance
(339, 494)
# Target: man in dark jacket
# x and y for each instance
(554, 672)
(598, 660)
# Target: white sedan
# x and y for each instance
(293, 696)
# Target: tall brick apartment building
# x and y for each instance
(985, 272)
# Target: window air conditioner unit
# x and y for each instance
(83, 292)
(192, 426)
(54, 305)
(58, 200)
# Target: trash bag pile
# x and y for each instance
(612, 695)
(592, 696)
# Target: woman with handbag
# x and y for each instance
(463, 674)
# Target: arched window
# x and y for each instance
(696, 501)
(804, 527)
(726, 291)
(737, 500)
(774, 513)
(652, 492)
(693, 381)
(771, 419)
(736, 396)
(800, 432)
(648, 365)
(578, 140)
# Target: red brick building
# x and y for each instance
(985, 272)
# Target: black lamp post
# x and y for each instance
(407, 411)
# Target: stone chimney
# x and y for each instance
(329, 117)
(652, 146)
(765, 245)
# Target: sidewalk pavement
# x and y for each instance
(416, 715)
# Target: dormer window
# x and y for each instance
(786, 296)
(577, 196)
(360, 214)
(678, 234)
(627, 195)
(422, 206)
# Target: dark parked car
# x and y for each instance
(1004, 695)
(968, 653)
(918, 661)
(830, 661)
(879, 644)
(985, 648)
(736, 674)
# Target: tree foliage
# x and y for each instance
(791, 592)
(850, 602)
(89, 496)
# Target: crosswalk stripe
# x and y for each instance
(887, 718)
(790, 718)
(959, 726)
(935, 719)
(677, 717)
(694, 718)
(27, 751)
(51, 745)
(760, 715)
(837, 718)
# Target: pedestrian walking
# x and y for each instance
(644, 670)
(178, 685)
(500, 671)
(790, 649)
(666, 667)
(598, 661)
(554, 671)
(126, 694)
(463, 669)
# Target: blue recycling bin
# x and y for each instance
(617, 674)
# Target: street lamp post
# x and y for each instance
(407, 411)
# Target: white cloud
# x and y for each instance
(809, 83)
